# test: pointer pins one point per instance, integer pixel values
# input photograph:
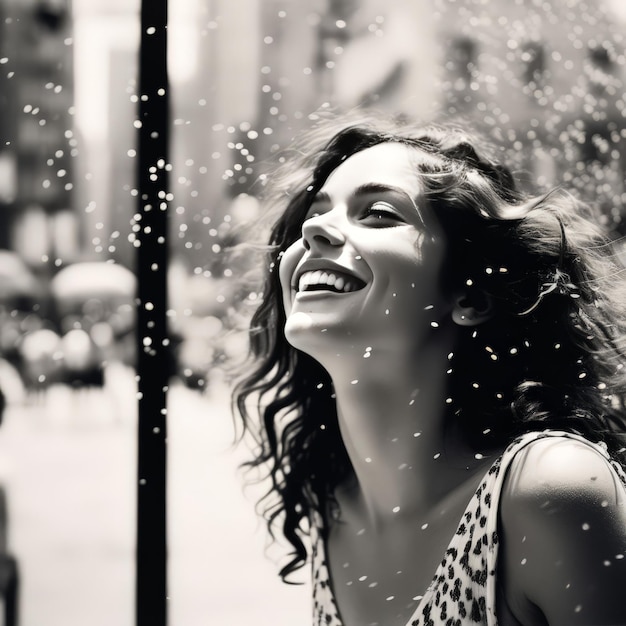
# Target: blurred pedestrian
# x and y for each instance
(9, 579)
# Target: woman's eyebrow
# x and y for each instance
(365, 189)
(368, 188)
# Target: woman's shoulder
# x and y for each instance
(563, 527)
(559, 466)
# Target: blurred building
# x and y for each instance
(36, 128)
(106, 63)
(547, 80)
(544, 78)
(113, 240)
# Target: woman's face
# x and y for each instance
(365, 271)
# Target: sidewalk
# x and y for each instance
(68, 466)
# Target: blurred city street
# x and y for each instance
(68, 465)
(244, 78)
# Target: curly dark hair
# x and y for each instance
(551, 356)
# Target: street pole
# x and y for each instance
(153, 362)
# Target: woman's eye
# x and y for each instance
(382, 212)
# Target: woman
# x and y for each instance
(438, 375)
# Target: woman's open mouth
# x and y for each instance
(320, 280)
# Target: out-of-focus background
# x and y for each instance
(546, 78)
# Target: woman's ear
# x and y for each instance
(472, 310)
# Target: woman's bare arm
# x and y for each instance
(563, 530)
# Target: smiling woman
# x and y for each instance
(434, 349)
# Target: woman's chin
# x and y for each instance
(314, 335)
(303, 328)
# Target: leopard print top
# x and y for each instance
(463, 589)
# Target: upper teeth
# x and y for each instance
(320, 277)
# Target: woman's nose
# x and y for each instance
(319, 231)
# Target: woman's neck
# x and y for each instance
(391, 414)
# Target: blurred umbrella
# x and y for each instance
(81, 281)
(16, 279)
